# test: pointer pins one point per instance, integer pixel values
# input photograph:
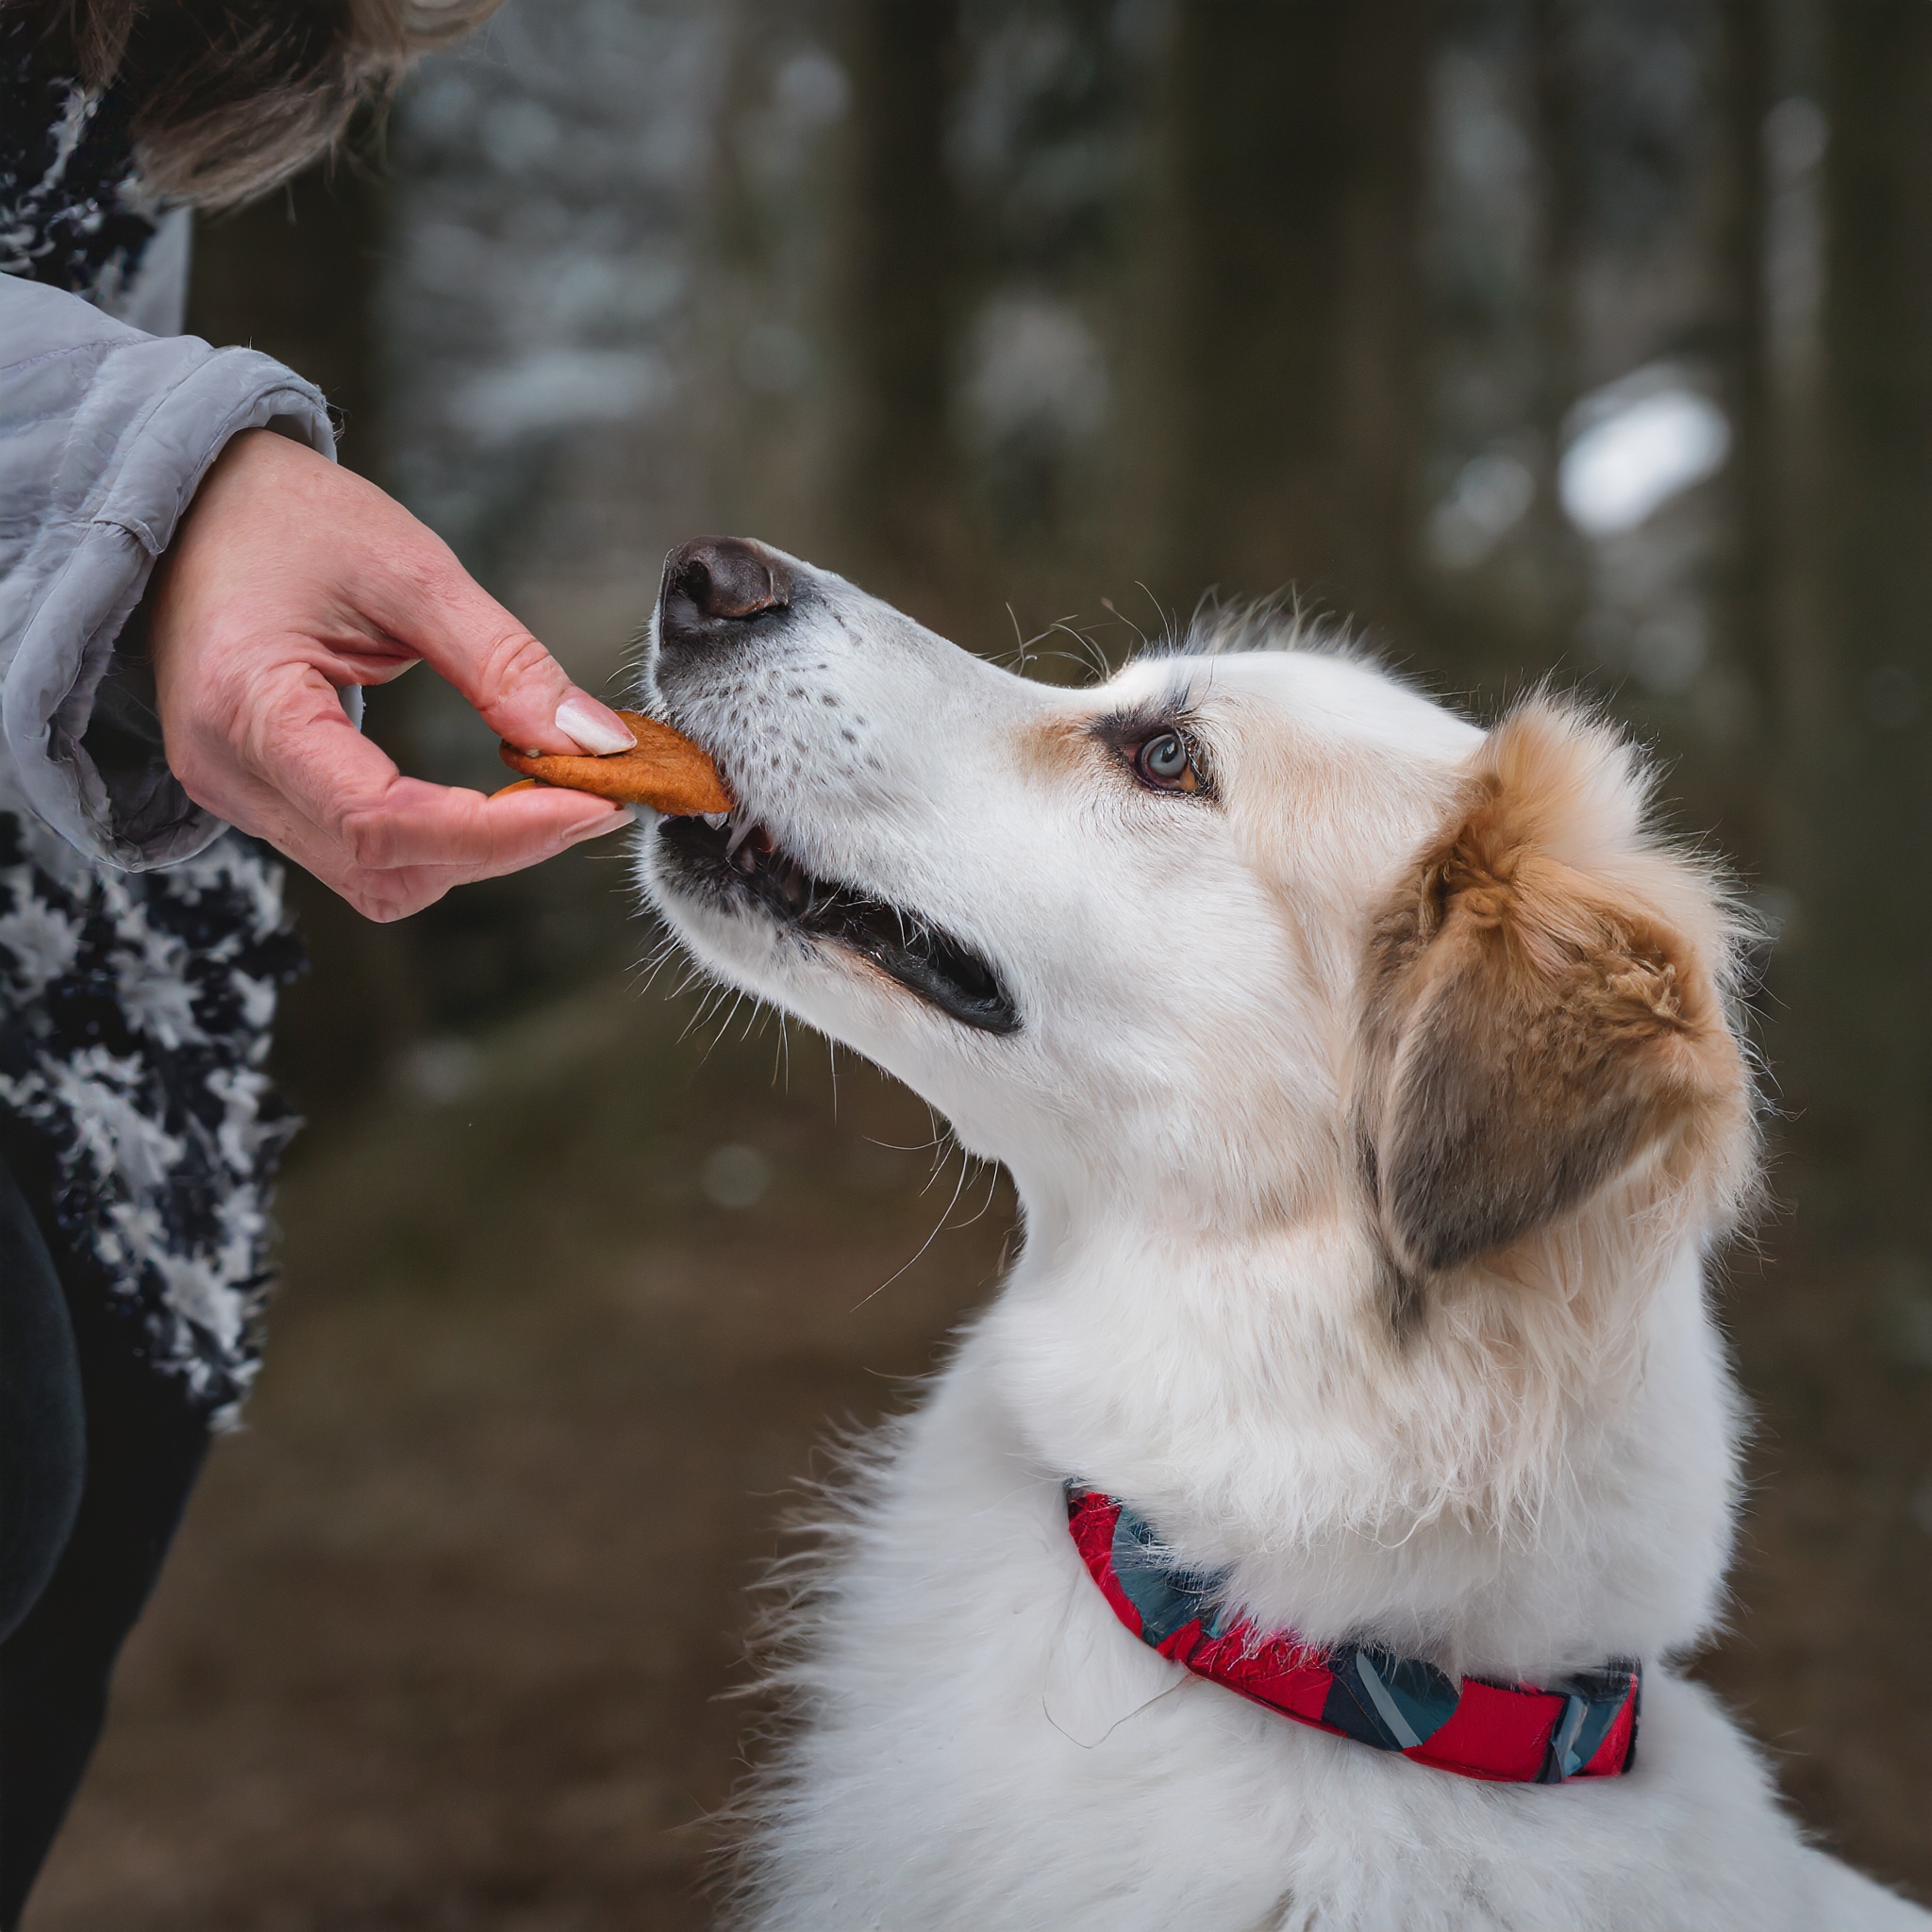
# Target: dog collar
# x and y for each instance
(1583, 1725)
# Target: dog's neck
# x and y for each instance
(1512, 1486)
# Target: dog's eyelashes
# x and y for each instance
(1166, 764)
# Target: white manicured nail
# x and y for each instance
(594, 727)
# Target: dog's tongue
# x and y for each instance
(663, 769)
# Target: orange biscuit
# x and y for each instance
(663, 769)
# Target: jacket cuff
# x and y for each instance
(134, 818)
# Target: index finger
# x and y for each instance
(429, 603)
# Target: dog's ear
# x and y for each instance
(1544, 1002)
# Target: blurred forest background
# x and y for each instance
(1583, 337)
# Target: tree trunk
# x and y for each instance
(1300, 131)
(1864, 1066)
(903, 280)
(1751, 567)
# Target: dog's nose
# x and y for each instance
(713, 583)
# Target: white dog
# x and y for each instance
(1369, 1084)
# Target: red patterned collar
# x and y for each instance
(1583, 1725)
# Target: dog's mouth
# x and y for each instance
(735, 858)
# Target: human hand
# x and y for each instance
(289, 577)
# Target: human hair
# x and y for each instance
(230, 97)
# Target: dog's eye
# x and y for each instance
(1167, 764)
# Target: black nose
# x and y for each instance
(713, 583)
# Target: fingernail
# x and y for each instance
(594, 726)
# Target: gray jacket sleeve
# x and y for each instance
(105, 435)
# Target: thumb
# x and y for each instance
(515, 685)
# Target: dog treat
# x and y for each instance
(663, 769)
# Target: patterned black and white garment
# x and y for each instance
(134, 1007)
(135, 1011)
(71, 214)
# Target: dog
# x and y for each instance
(1373, 1090)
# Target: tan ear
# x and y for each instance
(1543, 1004)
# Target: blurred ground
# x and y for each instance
(442, 1644)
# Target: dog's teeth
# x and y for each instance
(716, 819)
(739, 833)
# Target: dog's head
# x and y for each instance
(1240, 934)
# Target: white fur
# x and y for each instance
(1195, 1325)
